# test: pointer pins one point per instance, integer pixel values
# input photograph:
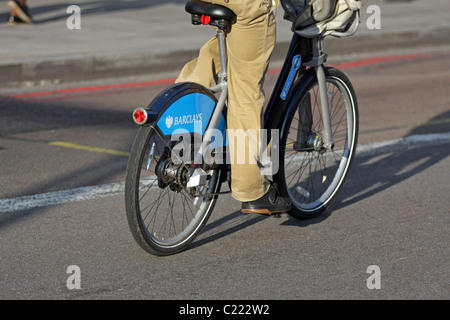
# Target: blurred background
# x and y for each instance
(139, 36)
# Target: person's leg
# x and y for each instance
(249, 50)
(20, 11)
(203, 69)
(249, 46)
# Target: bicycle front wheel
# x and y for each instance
(164, 215)
(311, 173)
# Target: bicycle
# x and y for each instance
(313, 108)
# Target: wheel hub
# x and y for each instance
(169, 174)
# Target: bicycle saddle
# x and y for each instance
(215, 14)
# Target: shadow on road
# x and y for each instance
(225, 226)
(19, 117)
(372, 172)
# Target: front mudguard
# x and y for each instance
(281, 122)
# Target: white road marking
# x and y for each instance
(58, 197)
(106, 190)
(409, 141)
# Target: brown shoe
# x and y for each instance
(270, 203)
(21, 11)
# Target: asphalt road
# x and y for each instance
(63, 156)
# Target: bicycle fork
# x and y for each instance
(327, 134)
(326, 140)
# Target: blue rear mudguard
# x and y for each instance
(184, 108)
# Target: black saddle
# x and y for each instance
(211, 14)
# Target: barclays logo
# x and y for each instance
(182, 120)
(169, 121)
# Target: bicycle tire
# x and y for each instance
(311, 175)
(162, 215)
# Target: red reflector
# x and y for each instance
(205, 19)
(140, 116)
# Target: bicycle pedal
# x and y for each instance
(198, 178)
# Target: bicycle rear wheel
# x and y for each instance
(164, 215)
(311, 174)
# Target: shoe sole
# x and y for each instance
(261, 211)
(22, 15)
(13, 23)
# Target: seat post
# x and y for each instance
(221, 36)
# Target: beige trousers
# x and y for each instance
(249, 46)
